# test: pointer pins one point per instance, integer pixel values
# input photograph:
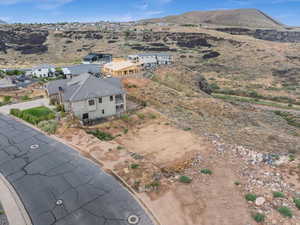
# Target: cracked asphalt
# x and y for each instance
(58, 186)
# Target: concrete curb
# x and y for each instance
(13, 207)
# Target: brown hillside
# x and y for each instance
(240, 17)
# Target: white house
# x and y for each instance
(152, 59)
(44, 70)
(87, 97)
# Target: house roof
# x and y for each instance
(92, 55)
(119, 65)
(152, 54)
(6, 82)
(82, 68)
(85, 87)
(44, 66)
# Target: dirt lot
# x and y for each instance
(160, 149)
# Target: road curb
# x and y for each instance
(13, 207)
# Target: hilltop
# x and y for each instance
(252, 18)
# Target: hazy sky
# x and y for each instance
(286, 11)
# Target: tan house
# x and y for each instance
(87, 97)
(121, 67)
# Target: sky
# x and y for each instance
(42, 11)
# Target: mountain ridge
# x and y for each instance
(252, 18)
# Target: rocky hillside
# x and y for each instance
(240, 17)
(233, 63)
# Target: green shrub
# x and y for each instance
(297, 202)
(258, 217)
(134, 166)
(141, 116)
(125, 117)
(152, 116)
(206, 171)
(185, 179)
(49, 127)
(16, 112)
(7, 99)
(60, 108)
(119, 148)
(25, 98)
(250, 197)
(292, 157)
(285, 211)
(277, 194)
(237, 183)
(103, 136)
(214, 86)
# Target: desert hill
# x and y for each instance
(252, 18)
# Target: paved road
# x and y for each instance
(59, 187)
(24, 105)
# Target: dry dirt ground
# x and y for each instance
(32, 91)
(162, 153)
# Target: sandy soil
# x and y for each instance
(164, 143)
(209, 200)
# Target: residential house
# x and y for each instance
(121, 68)
(7, 84)
(149, 60)
(98, 58)
(76, 70)
(88, 97)
(44, 70)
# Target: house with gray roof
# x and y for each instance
(88, 97)
(152, 59)
(76, 70)
(7, 84)
(97, 58)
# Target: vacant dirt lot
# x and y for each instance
(160, 146)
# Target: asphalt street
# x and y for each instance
(58, 186)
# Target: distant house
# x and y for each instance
(121, 68)
(44, 70)
(7, 84)
(99, 58)
(152, 59)
(88, 97)
(76, 70)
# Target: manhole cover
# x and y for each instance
(34, 146)
(59, 202)
(133, 219)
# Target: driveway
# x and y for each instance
(57, 186)
(24, 105)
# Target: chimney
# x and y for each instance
(61, 91)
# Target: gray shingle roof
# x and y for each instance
(82, 68)
(85, 87)
(154, 54)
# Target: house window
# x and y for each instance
(103, 112)
(85, 116)
(100, 100)
(111, 98)
(91, 102)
